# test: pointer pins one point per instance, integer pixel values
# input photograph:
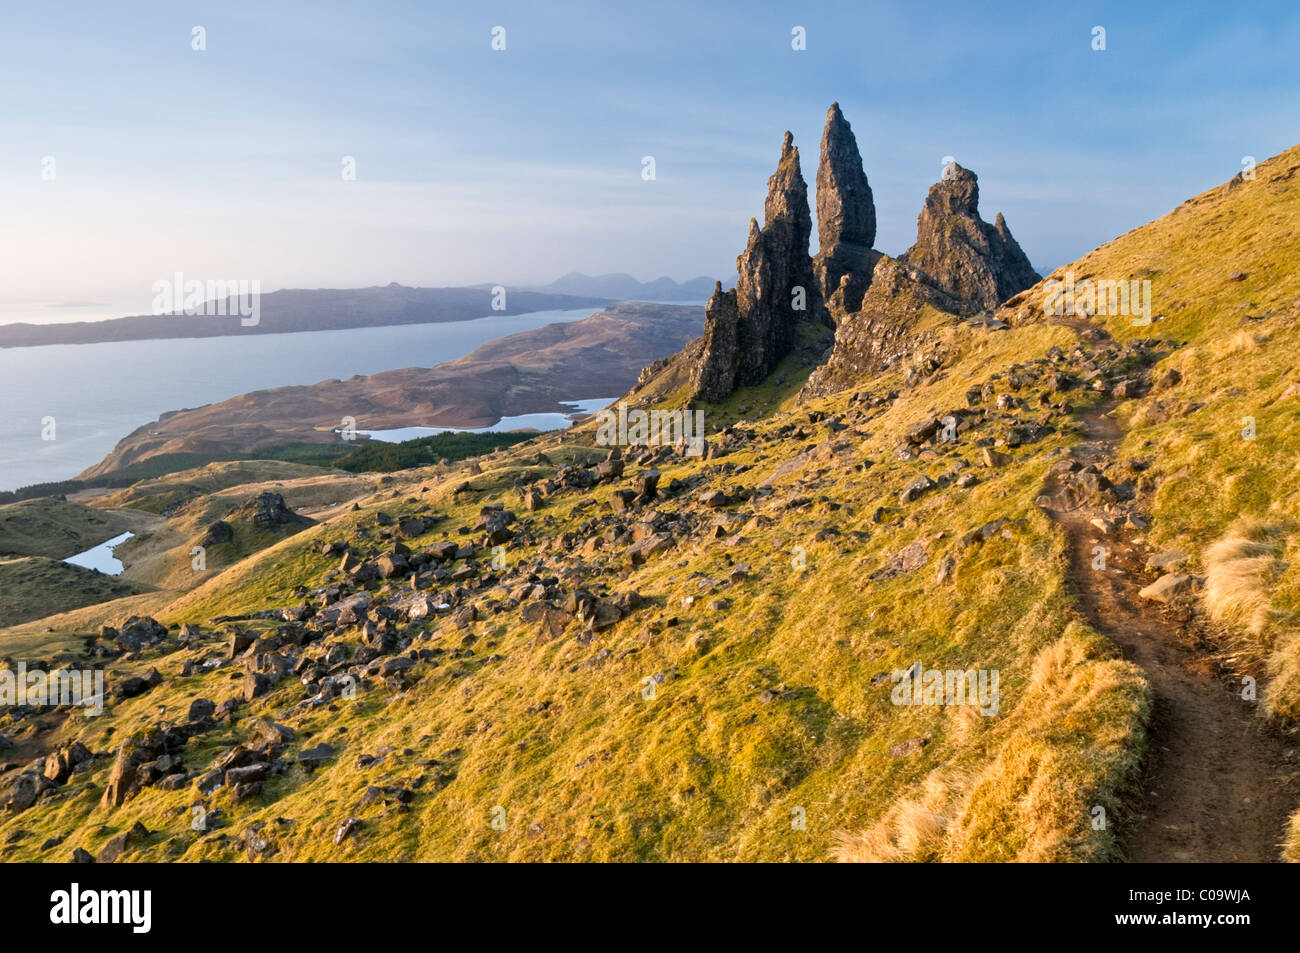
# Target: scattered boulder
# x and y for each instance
(444, 551)
(715, 499)
(255, 685)
(315, 756)
(268, 511)
(1168, 587)
(392, 565)
(125, 777)
(347, 827)
(922, 432)
(60, 764)
(137, 685)
(917, 488)
(551, 621)
(117, 846)
(1168, 561)
(24, 791)
(639, 552)
(647, 483)
(909, 747)
(240, 642)
(138, 632)
(910, 557)
(264, 733)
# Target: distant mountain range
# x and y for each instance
(328, 309)
(625, 287)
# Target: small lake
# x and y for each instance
(98, 393)
(520, 422)
(101, 557)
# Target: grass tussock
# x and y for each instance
(1282, 696)
(1291, 849)
(1243, 342)
(912, 830)
(1240, 571)
(1248, 591)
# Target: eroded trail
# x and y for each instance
(1220, 783)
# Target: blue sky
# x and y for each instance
(481, 166)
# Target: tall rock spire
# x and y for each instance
(747, 331)
(979, 263)
(846, 218)
(959, 265)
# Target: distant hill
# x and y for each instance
(56, 528)
(626, 287)
(323, 309)
(533, 371)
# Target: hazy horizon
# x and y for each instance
(69, 312)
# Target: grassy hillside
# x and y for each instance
(58, 528)
(35, 587)
(1222, 429)
(1223, 437)
(376, 456)
(170, 492)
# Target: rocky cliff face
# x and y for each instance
(979, 263)
(960, 265)
(882, 330)
(846, 219)
(747, 331)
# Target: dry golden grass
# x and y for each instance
(1071, 745)
(1291, 849)
(1240, 570)
(911, 830)
(1059, 755)
(965, 723)
(1053, 663)
(1243, 342)
(1282, 696)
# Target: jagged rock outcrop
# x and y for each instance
(268, 511)
(959, 265)
(714, 377)
(846, 219)
(978, 262)
(882, 330)
(747, 331)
